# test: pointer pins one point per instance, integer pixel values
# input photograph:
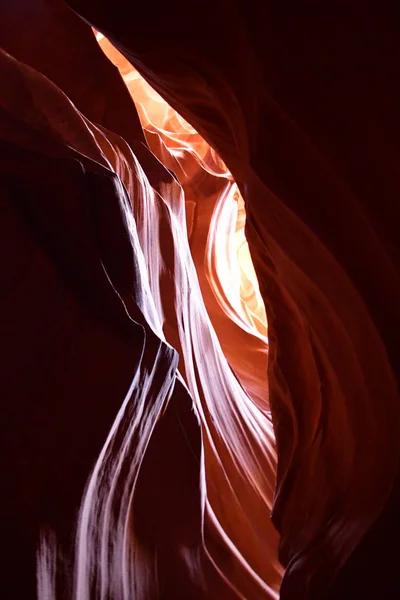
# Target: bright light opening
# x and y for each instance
(180, 148)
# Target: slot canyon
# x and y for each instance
(200, 300)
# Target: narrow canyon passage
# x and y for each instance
(199, 302)
(202, 226)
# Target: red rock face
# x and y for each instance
(138, 450)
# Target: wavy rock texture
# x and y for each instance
(127, 348)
